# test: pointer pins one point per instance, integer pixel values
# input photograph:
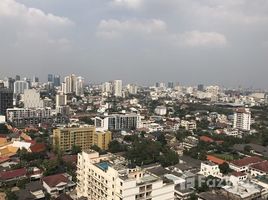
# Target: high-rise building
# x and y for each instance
(6, 100)
(117, 88)
(32, 99)
(20, 86)
(50, 78)
(128, 121)
(170, 85)
(17, 78)
(110, 177)
(79, 86)
(242, 119)
(61, 99)
(106, 87)
(70, 84)
(56, 80)
(84, 137)
(200, 87)
(9, 83)
(132, 88)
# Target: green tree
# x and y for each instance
(115, 147)
(224, 168)
(76, 149)
(10, 195)
(161, 138)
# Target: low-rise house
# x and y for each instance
(242, 165)
(12, 176)
(256, 149)
(33, 191)
(212, 196)
(58, 183)
(237, 177)
(259, 169)
(244, 191)
(37, 148)
(215, 160)
(189, 142)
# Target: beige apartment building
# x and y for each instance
(84, 137)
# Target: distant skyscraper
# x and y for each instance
(70, 84)
(20, 86)
(17, 78)
(50, 78)
(9, 83)
(57, 80)
(35, 79)
(200, 87)
(79, 86)
(170, 85)
(61, 100)
(157, 84)
(132, 88)
(6, 100)
(117, 88)
(73, 84)
(106, 87)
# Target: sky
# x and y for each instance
(222, 42)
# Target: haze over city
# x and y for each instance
(139, 41)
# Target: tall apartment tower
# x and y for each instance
(20, 86)
(56, 80)
(32, 99)
(70, 83)
(110, 177)
(61, 100)
(117, 88)
(6, 100)
(242, 119)
(79, 86)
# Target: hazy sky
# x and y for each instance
(141, 41)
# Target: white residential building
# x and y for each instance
(210, 169)
(127, 121)
(242, 119)
(108, 177)
(161, 110)
(188, 125)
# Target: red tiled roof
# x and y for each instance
(215, 159)
(247, 161)
(13, 174)
(237, 174)
(263, 166)
(54, 180)
(206, 139)
(36, 148)
(70, 158)
(4, 159)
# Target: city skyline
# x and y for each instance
(212, 42)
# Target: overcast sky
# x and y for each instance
(221, 42)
